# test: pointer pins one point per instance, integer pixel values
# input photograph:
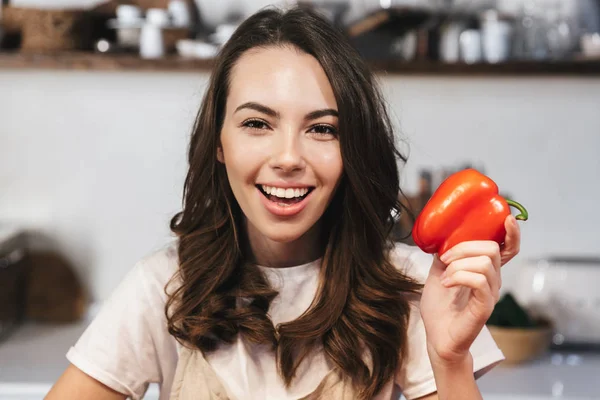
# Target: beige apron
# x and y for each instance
(196, 380)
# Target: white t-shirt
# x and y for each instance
(127, 346)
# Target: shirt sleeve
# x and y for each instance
(415, 377)
(127, 345)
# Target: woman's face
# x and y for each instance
(279, 141)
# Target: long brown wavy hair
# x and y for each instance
(361, 306)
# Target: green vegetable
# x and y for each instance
(509, 314)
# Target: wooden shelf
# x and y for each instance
(126, 62)
(580, 68)
(100, 62)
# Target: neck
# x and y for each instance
(268, 253)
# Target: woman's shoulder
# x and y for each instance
(153, 272)
(127, 345)
(411, 260)
(161, 263)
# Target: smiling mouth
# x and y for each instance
(284, 200)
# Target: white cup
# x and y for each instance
(157, 17)
(151, 42)
(590, 44)
(180, 14)
(128, 14)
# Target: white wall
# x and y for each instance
(539, 139)
(96, 160)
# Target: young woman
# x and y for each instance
(283, 282)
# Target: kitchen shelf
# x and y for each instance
(100, 62)
(125, 62)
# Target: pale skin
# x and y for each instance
(291, 137)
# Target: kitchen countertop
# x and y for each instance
(33, 357)
(556, 375)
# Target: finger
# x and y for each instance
(512, 241)
(474, 248)
(478, 283)
(480, 265)
(437, 267)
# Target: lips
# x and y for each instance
(284, 196)
(283, 207)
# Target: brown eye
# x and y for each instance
(323, 130)
(255, 124)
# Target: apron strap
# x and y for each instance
(196, 380)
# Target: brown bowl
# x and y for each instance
(521, 345)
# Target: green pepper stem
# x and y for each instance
(523, 215)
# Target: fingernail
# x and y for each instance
(443, 275)
(444, 258)
(446, 281)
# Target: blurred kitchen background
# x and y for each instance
(97, 100)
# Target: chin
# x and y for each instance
(285, 234)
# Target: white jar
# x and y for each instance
(151, 42)
(496, 40)
(496, 37)
(180, 13)
(158, 17)
(470, 46)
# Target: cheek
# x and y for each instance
(243, 156)
(243, 148)
(328, 163)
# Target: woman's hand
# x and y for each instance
(460, 294)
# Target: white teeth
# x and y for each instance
(288, 193)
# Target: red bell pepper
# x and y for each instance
(465, 207)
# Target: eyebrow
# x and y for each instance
(272, 113)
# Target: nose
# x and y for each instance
(287, 152)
